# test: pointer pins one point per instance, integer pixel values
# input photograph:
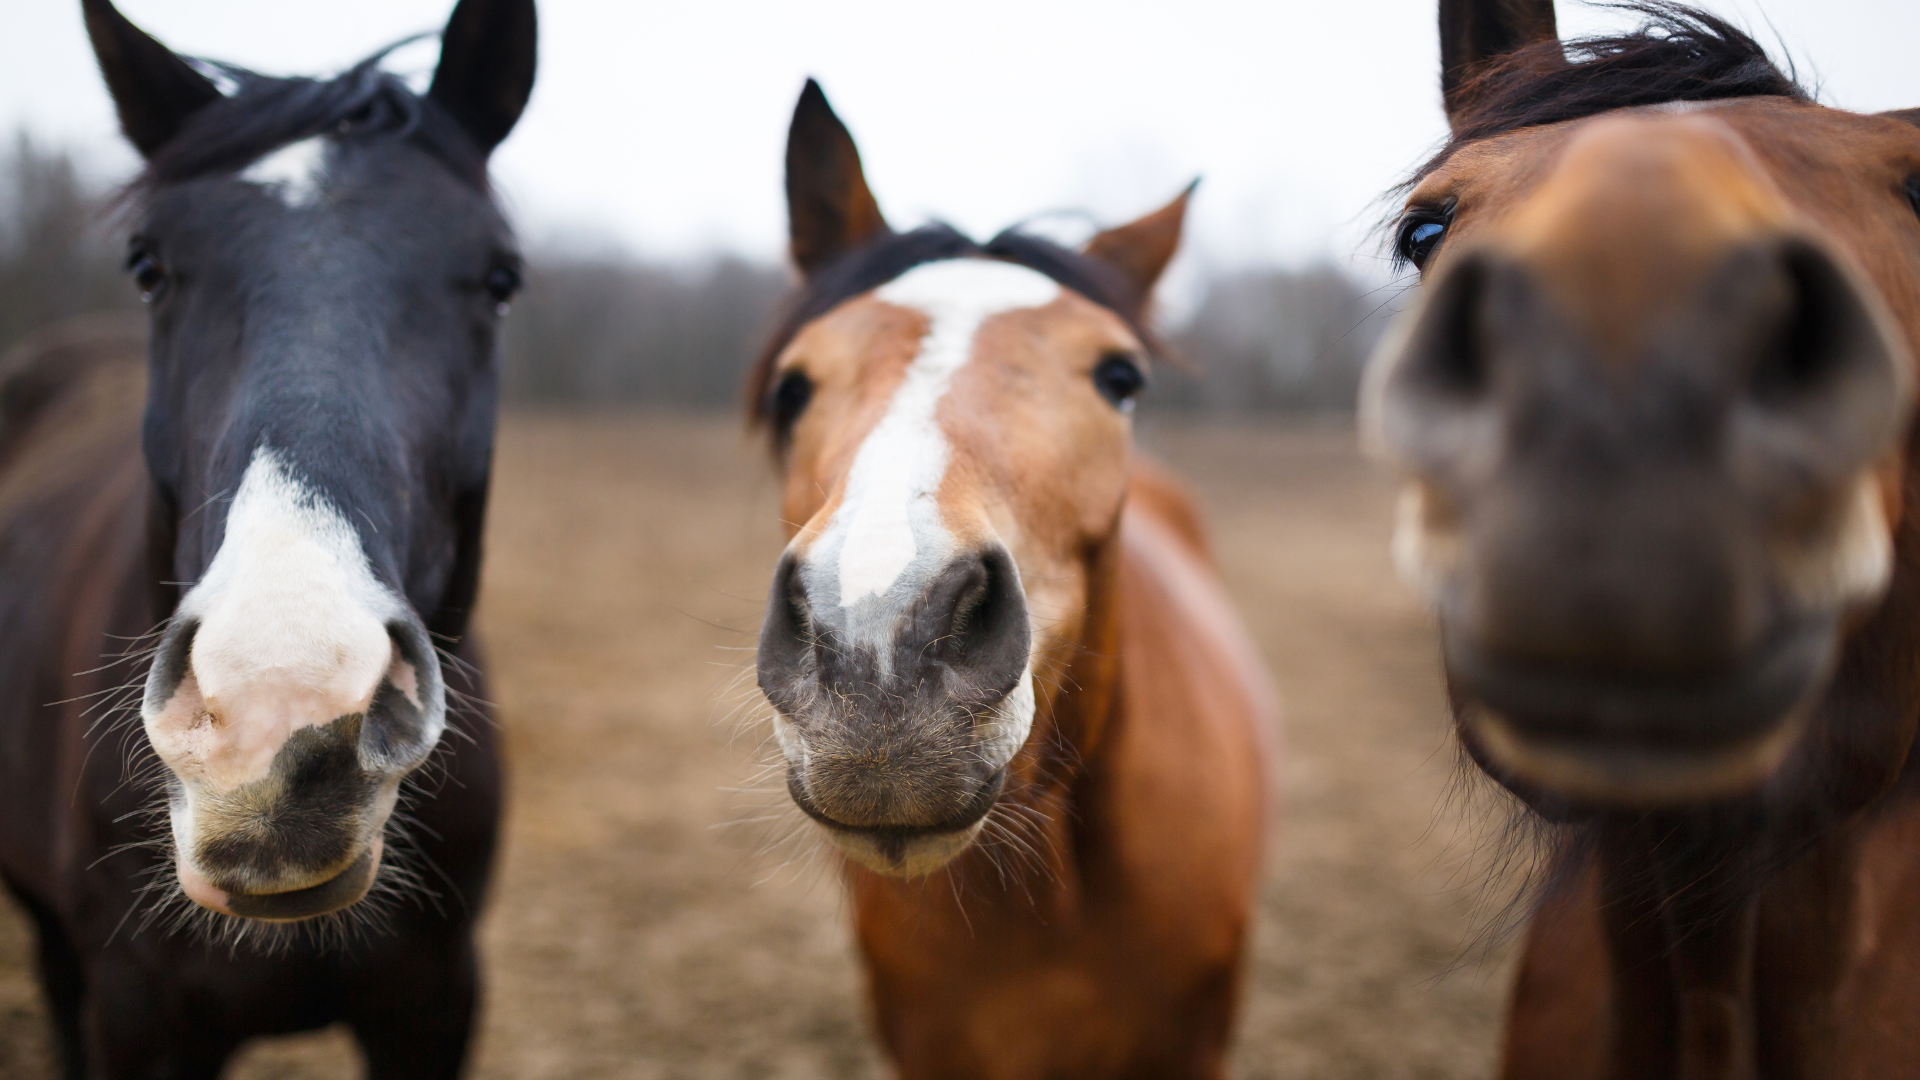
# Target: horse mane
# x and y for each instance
(1677, 53)
(874, 264)
(257, 114)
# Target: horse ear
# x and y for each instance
(1141, 249)
(1475, 31)
(153, 90)
(486, 67)
(830, 210)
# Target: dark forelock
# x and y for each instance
(888, 257)
(1677, 53)
(264, 113)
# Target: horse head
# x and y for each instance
(954, 424)
(325, 269)
(1651, 409)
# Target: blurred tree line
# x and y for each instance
(60, 252)
(612, 329)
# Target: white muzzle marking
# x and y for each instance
(292, 632)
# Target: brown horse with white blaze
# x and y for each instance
(993, 629)
(1653, 409)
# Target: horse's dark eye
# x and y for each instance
(1119, 379)
(789, 400)
(1913, 193)
(1420, 234)
(360, 118)
(501, 283)
(147, 273)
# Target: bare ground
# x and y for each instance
(634, 933)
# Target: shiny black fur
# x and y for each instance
(358, 338)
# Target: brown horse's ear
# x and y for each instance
(1473, 32)
(829, 209)
(153, 90)
(1141, 249)
(487, 55)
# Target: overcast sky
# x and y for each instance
(659, 126)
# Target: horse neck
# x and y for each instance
(1076, 684)
(1725, 956)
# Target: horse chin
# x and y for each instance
(1608, 740)
(337, 893)
(902, 853)
(905, 851)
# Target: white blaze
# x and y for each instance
(293, 172)
(292, 632)
(896, 475)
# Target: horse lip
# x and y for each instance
(342, 890)
(983, 799)
(1588, 777)
(1600, 739)
(1602, 711)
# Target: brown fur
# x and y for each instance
(1775, 932)
(1122, 957)
(1097, 926)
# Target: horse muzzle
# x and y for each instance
(899, 714)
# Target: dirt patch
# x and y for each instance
(635, 934)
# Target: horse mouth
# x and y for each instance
(905, 851)
(1642, 741)
(340, 891)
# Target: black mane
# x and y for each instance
(264, 113)
(869, 267)
(1677, 53)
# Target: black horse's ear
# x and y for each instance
(830, 211)
(485, 76)
(1475, 31)
(153, 90)
(1140, 250)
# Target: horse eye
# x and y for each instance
(360, 117)
(501, 283)
(789, 400)
(1419, 235)
(147, 273)
(1913, 193)
(1119, 379)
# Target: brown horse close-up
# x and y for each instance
(1653, 415)
(1007, 684)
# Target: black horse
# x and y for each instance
(207, 844)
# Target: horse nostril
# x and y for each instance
(408, 707)
(976, 617)
(172, 662)
(787, 636)
(1428, 393)
(1822, 376)
(1447, 359)
(1817, 329)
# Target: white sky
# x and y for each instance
(659, 126)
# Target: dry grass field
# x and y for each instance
(635, 933)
